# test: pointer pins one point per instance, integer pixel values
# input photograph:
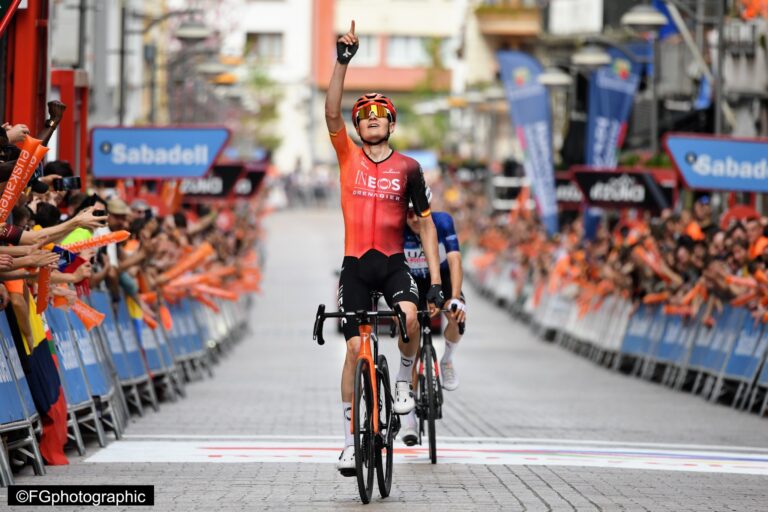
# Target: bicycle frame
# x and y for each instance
(366, 354)
(368, 323)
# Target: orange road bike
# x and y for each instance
(374, 424)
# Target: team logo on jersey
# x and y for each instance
(367, 185)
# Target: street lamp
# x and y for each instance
(646, 18)
(590, 56)
(555, 77)
(192, 32)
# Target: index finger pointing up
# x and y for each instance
(352, 27)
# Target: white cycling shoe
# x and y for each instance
(346, 464)
(404, 401)
(448, 376)
(408, 433)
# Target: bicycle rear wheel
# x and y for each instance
(388, 427)
(430, 380)
(363, 430)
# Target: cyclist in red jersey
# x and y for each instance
(376, 185)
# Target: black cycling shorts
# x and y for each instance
(373, 271)
(424, 283)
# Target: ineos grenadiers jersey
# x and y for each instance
(374, 197)
(447, 241)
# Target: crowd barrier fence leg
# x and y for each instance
(6, 476)
(116, 407)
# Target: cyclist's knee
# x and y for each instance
(353, 347)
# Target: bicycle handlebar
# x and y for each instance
(362, 315)
(426, 313)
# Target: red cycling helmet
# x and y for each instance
(377, 99)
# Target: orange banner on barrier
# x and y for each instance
(197, 257)
(166, 318)
(90, 317)
(216, 292)
(31, 153)
(43, 288)
(656, 298)
(206, 302)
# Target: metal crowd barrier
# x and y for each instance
(722, 363)
(117, 368)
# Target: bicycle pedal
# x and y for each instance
(348, 472)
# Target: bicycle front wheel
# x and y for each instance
(363, 431)
(431, 380)
(388, 427)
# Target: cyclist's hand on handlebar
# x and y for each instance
(435, 299)
(458, 309)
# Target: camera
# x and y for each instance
(68, 183)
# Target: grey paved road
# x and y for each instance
(278, 384)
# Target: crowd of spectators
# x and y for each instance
(684, 259)
(142, 266)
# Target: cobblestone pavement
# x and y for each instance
(277, 382)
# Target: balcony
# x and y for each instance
(509, 18)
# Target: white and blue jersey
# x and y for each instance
(447, 241)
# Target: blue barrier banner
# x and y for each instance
(94, 364)
(720, 163)
(155, 152)
(151, 349)
(6, 339)
(726, 334)
(669, 346)
(75, 386)
(11, 408)
(612, 92)
(109, 335)
(127, 333)
(744, 357)
(636, 338)
(193, 335)
(530, 113)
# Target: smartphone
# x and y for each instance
(100, 213)
(68, 183)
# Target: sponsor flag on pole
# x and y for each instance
(611, 96)
(529, 110)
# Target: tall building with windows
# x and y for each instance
(407, 51)
(273, 40)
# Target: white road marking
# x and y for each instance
(449, 452)
(458, 439)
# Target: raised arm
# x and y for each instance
(346, 47)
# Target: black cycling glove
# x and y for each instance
(345, 52)
(435, 295)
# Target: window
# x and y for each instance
(368, 54)
(407, 51)
(264, 47)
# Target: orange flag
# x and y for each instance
(89, 316)
(31, 153)
(189, 261)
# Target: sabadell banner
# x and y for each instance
(720, 163)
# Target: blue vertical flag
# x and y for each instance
(529, 110)
(670, 28)
(611, 96)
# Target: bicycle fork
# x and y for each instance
(365, 353)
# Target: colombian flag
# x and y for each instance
(40, 366)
